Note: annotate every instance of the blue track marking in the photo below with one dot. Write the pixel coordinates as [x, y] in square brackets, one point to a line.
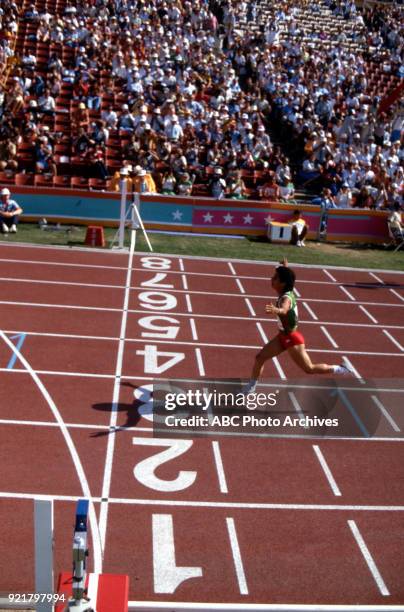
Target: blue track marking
[21, 340]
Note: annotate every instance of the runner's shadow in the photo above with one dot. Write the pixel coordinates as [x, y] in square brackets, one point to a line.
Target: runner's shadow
[132, 413]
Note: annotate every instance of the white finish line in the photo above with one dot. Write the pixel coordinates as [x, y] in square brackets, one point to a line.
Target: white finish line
[153, 606]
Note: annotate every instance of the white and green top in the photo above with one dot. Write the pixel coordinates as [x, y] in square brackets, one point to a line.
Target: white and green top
[288, 323]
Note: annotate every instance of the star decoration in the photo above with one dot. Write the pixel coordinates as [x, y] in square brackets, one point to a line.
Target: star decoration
[228, 218]
[208, 217]
[248, 219]
[177, 215]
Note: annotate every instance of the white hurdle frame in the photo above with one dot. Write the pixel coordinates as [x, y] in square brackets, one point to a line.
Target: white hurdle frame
[43, 522]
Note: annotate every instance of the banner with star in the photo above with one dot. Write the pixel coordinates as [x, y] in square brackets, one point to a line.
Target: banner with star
[199, 215]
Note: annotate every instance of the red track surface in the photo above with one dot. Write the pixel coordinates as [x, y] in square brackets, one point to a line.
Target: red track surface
[272, 501]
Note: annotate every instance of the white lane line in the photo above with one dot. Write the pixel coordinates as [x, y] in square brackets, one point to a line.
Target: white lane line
[58, 373]
[67, 306]
[354, 370]
[151, 606]
[394, 341]
[149, 430]
[203, 316]
[20, 280]
[54, 335]
[234, 294]
[250, 308]
[82, 478]
[188, 301]
[297, 406]
[60, 264]
[330, 275]
[260, 264]
[184, 282]
[385, 413]
[367, 313]
[397, 294]
[326, 469]
[199, 362]
[106, 482]
[309, 310]
[209, 411]
[20, 372]
[232, 270]
[92, 588]
[379, 280]
[238, 562]
[351, 297]
[368, 558]
[297, 292]
[328, 336]
[193, 329]
[210, 504]
[181, 291]
[242, 346]
[53, 424]
[262, 332]
[219, 467]
[279, 368]
[38, 281]
[181, 263]
[240, 286]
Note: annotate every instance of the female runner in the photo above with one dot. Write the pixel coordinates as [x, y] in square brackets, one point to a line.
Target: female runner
[288, 338]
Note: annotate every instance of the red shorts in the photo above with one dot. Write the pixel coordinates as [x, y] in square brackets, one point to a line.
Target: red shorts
[292, 339]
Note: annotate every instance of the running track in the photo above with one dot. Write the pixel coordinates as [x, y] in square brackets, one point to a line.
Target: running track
[229, 519]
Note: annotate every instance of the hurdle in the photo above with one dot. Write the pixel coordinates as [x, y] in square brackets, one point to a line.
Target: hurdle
[80, 591]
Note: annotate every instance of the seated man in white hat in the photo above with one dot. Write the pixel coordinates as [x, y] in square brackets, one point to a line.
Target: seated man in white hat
[10, 212]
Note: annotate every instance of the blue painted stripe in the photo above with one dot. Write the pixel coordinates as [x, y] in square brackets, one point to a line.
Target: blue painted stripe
[353, 412]
[21, 340]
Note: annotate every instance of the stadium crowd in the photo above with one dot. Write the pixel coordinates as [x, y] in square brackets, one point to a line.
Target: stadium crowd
[187, 97]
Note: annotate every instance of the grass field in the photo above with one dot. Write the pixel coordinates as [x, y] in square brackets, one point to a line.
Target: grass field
[355, 256]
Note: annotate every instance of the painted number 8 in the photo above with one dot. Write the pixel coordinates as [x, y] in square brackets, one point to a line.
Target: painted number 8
[156, 263]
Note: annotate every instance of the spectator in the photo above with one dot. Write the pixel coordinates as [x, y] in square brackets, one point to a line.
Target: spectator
[10, 212]
[270, 190]
[217, 184]
[203, 81]
[143, 182]
[343, 199]
[80, 118]
[287, 190]
[8, 155]
[236, 186]
[395, 224]
[44, 162]
[168, 183]
[299, 229]
[185, 184]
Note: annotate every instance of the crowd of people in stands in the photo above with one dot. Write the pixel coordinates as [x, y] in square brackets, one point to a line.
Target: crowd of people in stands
[196, 99]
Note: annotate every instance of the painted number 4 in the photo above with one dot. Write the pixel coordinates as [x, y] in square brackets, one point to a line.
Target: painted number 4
[157, 362]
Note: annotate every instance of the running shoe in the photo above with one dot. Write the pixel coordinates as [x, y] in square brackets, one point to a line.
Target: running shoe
[344, 370]
[250, 387]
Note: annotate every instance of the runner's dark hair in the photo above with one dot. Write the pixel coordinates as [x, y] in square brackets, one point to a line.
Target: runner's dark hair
[287, 277]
